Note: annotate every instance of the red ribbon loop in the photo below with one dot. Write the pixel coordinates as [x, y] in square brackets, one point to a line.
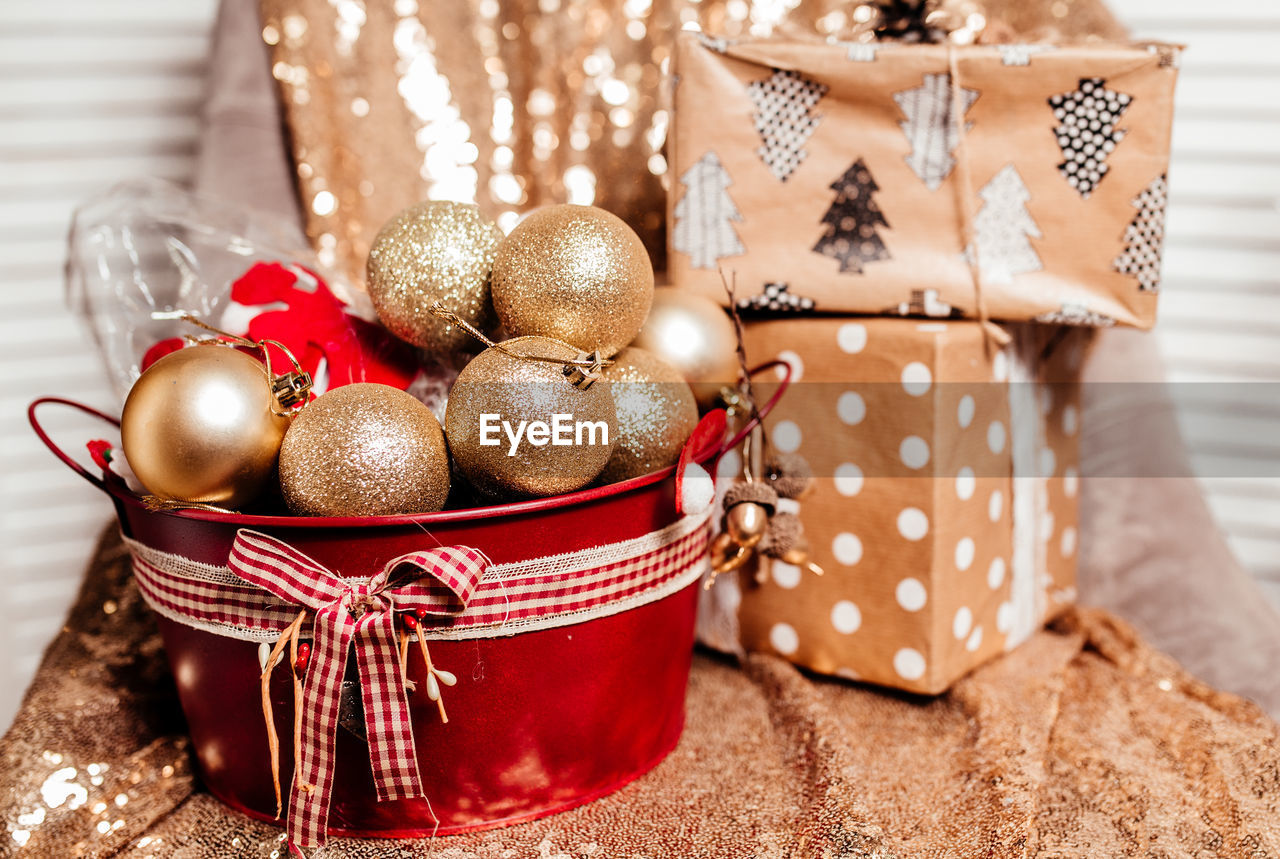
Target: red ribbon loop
[438, 582]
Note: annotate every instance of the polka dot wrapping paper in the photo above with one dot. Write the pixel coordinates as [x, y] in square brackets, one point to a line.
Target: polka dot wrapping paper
[832, 174]
[944, 504]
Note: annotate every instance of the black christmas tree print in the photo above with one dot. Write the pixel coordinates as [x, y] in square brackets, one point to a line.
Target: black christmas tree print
[1086, 131]
[850, 235]
[703, 216]
[783, 101]
[1144, 237]
[776, 298]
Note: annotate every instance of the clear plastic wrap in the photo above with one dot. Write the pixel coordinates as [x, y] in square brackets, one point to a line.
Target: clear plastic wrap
[145, 252]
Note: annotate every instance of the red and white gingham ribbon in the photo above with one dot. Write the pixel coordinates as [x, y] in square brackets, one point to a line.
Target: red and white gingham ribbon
[357, 614]
[258, 593]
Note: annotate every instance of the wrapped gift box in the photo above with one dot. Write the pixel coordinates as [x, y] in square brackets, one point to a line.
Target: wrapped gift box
[835, 177]
[944, 503]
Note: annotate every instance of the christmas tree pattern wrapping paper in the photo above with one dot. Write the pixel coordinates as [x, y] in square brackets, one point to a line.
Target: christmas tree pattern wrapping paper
[943, 510]
[838, 172]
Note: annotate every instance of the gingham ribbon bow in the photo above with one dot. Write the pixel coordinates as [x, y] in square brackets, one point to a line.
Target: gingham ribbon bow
[357, 613]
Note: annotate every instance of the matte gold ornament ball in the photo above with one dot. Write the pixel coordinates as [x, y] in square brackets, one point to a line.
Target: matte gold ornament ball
[199, 426]
[364, 450]
[512, 391]
[656, 414]
[433, 251]
[573, 273]
[694, 335]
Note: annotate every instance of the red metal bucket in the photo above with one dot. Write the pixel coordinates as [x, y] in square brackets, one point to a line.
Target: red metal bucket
[540, 721]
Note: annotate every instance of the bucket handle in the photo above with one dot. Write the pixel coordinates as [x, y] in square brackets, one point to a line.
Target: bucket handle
[53, 446]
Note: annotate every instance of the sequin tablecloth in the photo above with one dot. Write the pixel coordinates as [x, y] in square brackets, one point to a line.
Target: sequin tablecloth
[1084, 742]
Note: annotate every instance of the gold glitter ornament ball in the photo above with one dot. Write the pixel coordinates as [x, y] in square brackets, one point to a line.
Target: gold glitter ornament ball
[199, 426]
[364, 450]
[694, 335]
[573, 273]
[656, 414]
[433, 251]
[502, 392]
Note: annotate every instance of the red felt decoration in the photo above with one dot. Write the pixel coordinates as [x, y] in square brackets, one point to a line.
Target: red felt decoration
[314, 326]
[159, 350]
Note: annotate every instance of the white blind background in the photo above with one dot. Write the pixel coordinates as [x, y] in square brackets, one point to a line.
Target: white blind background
[95, 91]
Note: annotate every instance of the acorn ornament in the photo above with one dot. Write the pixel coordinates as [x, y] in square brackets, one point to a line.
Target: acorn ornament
[577, 274]
[791, 478]
[202, 427]
[762, 517]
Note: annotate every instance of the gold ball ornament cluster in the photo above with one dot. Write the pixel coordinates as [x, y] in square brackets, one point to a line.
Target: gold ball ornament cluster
[433, 251]
[694, 335]
[201, 426]
[364, 450]
[656, 414]
[516, 390]
[573, 273]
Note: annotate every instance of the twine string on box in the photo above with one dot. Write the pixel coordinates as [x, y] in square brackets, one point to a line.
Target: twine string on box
[992, 334]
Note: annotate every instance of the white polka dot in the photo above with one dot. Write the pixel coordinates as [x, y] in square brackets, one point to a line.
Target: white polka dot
[964, 412]
[1048, 462]
[848, 479]
[914, 452]
[1046, 525]
[1068, 541]
[932, 327]
[851, 408]
[730, 465]
[845, 617]
[1046, 399]
[852, 337]
[793, 360]
[1004, 617]
[995, 573]
[975, 640]
[994, 505]
[909, 664]
[848, 673]
[785, 575]
[912, 523]
[995, 437]
[965, 483]
[1070, 419]
[1070, 481]
[847, 548]
[1000, 367]
[916, 379]
[786, 436]
[911, 594]
[964, 553]
[784, 639]
[962, 622]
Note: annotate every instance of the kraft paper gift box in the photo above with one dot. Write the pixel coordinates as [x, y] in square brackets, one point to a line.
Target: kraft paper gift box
[835, 177]
[943, 510]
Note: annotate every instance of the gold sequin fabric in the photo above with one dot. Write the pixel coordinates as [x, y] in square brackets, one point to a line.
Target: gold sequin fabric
[1082, 743]
[515, 104]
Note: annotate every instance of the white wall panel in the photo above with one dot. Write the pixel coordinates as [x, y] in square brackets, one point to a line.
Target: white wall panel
[91, 92]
